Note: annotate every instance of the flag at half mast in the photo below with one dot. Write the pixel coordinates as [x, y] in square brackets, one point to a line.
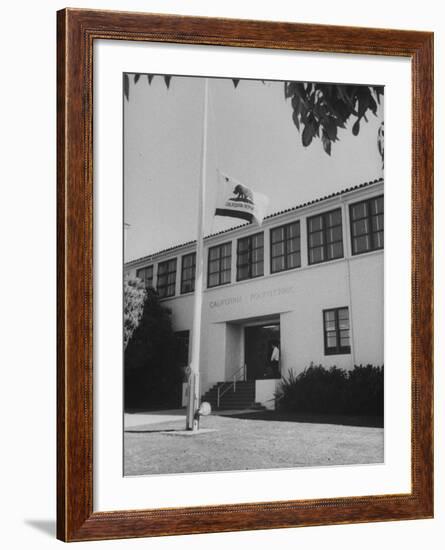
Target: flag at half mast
[236, 200]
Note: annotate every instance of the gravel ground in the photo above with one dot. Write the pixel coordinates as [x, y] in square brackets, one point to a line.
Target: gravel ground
[247, 444]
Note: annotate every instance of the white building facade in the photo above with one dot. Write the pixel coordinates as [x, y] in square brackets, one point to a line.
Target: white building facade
[309, 280]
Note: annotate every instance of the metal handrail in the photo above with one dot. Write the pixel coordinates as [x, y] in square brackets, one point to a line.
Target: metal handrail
[224, 388]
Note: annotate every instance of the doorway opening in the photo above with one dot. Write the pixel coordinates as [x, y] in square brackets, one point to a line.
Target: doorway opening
[262, 351]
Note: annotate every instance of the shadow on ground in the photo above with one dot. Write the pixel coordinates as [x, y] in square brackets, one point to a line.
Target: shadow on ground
[338, 419]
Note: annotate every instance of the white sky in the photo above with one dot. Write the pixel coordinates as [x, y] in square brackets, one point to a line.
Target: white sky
[251, 137]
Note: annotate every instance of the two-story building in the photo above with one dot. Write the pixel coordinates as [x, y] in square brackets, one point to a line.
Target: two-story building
[308, 281]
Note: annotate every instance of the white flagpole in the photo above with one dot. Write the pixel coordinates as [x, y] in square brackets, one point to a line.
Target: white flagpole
[194, 385]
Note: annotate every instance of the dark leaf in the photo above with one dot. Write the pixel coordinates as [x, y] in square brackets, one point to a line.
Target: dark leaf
[356, 127]
[150, 78]
[343, 110]
[379, 90]
[295, 103]
[136, 78]
[235, 81]
[308, 135]
[167, 79]
[363, 101]
[372, 105]
[326, 143]
[330, 127]
[126, 87]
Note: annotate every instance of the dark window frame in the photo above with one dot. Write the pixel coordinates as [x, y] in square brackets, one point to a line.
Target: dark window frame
[190, 279]
[286, 240]
[219, 260]
[250, 251]
[371, 233]
[167, 285]
[144, 278]
[338, 349]
[324, 229]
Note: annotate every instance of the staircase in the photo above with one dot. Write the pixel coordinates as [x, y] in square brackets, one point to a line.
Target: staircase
[240, 397]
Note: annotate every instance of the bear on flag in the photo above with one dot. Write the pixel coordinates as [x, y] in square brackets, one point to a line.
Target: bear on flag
[236, 200]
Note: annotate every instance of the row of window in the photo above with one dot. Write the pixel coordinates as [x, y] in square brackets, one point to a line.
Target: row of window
[325, 243]
[336, 331]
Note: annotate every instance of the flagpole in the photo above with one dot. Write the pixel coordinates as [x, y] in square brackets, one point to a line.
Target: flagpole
[192, 422]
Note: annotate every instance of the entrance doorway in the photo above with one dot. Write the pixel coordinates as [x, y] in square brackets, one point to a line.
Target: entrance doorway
[260, 358]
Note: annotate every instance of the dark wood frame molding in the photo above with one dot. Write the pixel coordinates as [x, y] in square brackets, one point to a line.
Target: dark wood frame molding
[77, 30]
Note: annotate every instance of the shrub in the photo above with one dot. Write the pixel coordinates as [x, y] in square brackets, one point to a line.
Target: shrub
[333, 391]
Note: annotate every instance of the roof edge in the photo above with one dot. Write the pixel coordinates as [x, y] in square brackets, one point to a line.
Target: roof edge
[270, 216]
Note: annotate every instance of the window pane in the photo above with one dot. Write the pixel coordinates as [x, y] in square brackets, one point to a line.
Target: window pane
[257, 255]
[331, 340]
[278, 264]
[360, 228]
[343, 313]
[329, 315]
[277, 234]
[335, 251]
[372, 222]
[343, 324]
[377, 205]
[257, 270]
[334, 218]
[293, 260]
[214, 266]
[344, 341]
[377, 222]
[293, 245]
[361, 244]
[243, 245]
[358, 210]
[316, 239]
[334, 234]
[213, 279]
[378, 239]
[316, 255]
[278, 249]
[243, 272]
[315, 224]
[214, 253]
[294, 230]
[257, 241]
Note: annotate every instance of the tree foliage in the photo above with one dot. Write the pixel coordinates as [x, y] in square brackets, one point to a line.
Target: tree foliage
[318, 110]
[152, 374]
[134, 296]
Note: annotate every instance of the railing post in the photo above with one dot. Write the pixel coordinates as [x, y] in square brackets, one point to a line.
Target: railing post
[217, 397]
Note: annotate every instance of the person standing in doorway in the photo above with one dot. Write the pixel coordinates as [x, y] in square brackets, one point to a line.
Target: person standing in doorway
[275, 359]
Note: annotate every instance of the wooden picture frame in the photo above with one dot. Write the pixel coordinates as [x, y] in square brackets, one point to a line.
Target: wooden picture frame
[77, 31]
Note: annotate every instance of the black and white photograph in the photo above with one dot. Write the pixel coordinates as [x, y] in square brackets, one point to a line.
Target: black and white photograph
[253, 276]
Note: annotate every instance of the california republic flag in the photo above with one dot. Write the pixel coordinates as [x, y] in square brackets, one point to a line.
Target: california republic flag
[239, 201]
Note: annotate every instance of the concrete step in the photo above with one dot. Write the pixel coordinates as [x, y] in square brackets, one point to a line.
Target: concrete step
[242, 398]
